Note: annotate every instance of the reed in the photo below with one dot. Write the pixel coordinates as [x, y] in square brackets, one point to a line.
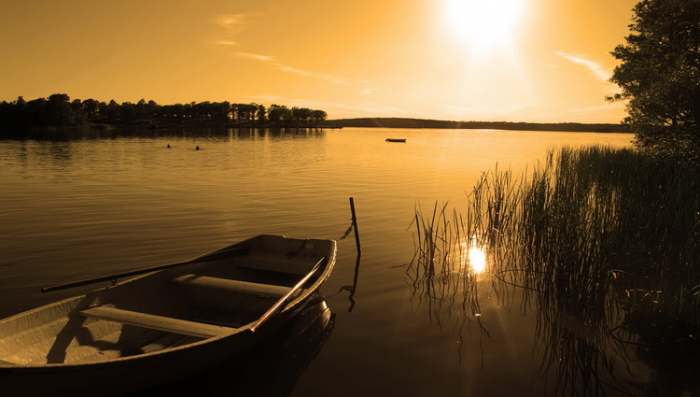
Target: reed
[607, 239]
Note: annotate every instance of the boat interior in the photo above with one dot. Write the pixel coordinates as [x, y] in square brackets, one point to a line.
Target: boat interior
[219, 294]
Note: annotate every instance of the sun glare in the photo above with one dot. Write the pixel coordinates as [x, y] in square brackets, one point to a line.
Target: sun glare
[484, 24]
[472, 257]
[477, 259]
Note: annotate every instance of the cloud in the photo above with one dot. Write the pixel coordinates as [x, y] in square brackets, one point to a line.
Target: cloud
[255, 57]
[293, 70]
[236, 23]
[368, 91]
[233, 22]
[269, 59]
[232, 25]
[342, 108]
[312, 74]
[229, 43]
[599, 71]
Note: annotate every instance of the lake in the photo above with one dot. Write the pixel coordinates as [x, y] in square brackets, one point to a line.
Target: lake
[84, 207]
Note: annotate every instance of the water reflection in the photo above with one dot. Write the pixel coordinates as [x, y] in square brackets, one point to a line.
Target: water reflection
[447, 273]
[218, 134]
[476, 257]
[578, 357]
[352, 289]
[129, 201]
[600, 274]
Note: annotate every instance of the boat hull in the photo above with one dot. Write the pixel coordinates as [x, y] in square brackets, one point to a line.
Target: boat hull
[121, 377]
[60, 336]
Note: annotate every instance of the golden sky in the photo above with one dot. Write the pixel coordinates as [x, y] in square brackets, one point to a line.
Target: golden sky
[529, 60]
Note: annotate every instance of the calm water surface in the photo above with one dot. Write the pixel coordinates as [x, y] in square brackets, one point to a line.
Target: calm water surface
[78, 208]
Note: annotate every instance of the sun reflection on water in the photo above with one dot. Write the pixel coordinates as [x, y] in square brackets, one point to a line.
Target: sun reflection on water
[473, 257]
[477, 258]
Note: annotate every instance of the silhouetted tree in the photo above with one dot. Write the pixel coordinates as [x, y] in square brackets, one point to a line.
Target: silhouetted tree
[152, 109]
[260, 115]
[659, 74]
[224, 111]
[113, 111]
[318, 116]
[90, 109]
[278, 114]
[128, 112]
[59, 111]
[301, 115]
[245, 113]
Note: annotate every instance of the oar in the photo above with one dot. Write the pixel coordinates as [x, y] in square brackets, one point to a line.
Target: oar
[204, 258]
[278, 305]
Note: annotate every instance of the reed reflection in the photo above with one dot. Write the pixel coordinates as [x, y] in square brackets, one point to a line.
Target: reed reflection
[447, 270]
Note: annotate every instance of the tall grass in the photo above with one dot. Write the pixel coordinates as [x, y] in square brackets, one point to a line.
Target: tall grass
[608, 239]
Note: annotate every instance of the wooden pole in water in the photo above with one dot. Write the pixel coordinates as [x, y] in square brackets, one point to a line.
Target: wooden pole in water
[354, 226]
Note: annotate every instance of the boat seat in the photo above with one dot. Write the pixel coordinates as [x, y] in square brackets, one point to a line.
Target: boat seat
[245, 287]
[160, 323]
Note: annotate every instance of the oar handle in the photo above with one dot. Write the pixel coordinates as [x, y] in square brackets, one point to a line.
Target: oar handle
[278, 305]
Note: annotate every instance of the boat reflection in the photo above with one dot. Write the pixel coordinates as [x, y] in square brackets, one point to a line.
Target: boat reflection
[271, 369]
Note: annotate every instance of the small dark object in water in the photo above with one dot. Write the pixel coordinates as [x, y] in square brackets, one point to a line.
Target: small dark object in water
[196, 148]
[396, 140]
[168, 146]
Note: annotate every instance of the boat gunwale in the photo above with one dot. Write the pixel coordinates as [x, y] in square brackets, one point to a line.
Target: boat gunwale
[11, 368]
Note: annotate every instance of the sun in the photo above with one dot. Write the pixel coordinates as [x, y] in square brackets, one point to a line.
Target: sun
[484, 24]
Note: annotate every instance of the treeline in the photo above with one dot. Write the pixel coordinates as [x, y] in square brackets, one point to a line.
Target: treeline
[496, 125]
[58, 110]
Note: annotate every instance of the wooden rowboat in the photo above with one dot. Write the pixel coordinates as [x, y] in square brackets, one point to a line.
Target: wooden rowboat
[272, 368]
[396, 140]
[163, 325]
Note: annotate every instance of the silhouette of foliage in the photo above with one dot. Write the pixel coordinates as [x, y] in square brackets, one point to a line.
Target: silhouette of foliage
[59, 111]
[393, 122]
[659, 74]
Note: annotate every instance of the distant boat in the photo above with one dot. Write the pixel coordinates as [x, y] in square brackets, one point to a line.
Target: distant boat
[396, 140]
[165, 324]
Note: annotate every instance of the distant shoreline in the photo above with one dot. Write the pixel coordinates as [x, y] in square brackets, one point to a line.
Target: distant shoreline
[392, 122]
[59, 113]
